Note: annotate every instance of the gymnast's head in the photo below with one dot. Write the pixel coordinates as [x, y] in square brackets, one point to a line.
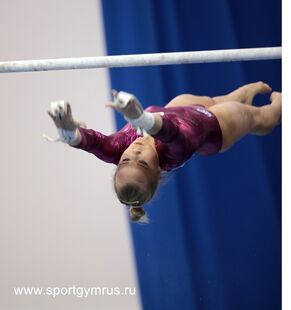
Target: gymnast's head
[137, 177]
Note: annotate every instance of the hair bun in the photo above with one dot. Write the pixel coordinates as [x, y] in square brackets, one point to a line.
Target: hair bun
[138, 214]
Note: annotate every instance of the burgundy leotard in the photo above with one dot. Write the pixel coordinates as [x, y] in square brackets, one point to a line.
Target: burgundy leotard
[185, 131]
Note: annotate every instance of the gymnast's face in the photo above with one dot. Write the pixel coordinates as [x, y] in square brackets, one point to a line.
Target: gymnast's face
[138, 163]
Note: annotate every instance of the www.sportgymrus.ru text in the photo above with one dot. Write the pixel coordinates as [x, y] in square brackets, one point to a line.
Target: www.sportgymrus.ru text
[77, 291]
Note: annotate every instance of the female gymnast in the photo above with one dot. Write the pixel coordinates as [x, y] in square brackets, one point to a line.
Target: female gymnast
[164, 138]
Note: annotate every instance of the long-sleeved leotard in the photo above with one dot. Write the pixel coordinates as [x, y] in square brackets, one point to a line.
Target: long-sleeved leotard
[185, 131]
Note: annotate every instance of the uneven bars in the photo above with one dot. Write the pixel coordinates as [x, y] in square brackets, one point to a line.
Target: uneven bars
[246, 54]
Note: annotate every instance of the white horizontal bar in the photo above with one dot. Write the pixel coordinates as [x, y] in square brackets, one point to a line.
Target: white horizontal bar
[264, 53]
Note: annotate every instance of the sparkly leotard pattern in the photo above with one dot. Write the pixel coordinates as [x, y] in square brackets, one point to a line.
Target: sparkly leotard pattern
[185, 131]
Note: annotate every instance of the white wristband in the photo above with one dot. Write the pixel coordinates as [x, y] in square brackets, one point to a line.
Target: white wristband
[67, 136]
[145, 121]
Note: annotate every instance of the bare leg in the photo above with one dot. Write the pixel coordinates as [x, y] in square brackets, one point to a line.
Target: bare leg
[237, 120]
[268, 116]
[187, 99]
[244, 94]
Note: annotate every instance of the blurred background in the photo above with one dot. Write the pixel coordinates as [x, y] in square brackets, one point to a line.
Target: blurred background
[60, 223]
[214, 238]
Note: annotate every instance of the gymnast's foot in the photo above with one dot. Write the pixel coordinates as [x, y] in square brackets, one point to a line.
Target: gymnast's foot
[246, 93]
[276, 102]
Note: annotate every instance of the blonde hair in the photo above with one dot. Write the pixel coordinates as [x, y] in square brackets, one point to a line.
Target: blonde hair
[134, 196]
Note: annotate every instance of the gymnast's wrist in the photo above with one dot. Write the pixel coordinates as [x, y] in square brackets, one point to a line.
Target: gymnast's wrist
[77, 140]
[158, 124]
[72, 137]
[145, 121]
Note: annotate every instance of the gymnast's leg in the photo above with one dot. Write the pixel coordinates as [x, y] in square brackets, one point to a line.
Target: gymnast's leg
[187, 99]
[237, 120]
[244, 94]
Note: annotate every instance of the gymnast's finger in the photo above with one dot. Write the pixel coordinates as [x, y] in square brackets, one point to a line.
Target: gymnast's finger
[55, 120]
[51, 115]
[111, 105]
[68, 110]
[61, 111]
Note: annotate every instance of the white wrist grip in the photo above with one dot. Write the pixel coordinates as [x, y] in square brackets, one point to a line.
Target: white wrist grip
[67, 136]
[145, 121]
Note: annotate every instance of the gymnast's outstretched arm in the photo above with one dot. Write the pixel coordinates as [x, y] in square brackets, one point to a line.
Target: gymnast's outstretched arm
[89, 140]
[128, 105]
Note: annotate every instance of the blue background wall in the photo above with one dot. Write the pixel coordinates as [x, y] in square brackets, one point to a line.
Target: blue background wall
[214, 241]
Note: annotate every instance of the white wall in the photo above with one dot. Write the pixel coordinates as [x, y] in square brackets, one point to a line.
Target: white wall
[60, 222]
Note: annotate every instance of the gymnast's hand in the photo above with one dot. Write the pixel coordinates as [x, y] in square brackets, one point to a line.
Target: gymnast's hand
[61, 114]
[126, 104]
[144, 122]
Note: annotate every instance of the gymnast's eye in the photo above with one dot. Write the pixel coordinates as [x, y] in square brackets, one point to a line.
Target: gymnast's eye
[144, 163]
[126, 159]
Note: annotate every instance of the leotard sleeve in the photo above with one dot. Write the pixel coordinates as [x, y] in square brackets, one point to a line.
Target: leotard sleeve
[107, 148]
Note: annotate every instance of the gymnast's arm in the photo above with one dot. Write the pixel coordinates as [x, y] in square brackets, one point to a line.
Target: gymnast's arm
[158, 124]
[166, 129]
[163, 128]
[74, 134]
[156, 128]
[108, 148]
[128, 105]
